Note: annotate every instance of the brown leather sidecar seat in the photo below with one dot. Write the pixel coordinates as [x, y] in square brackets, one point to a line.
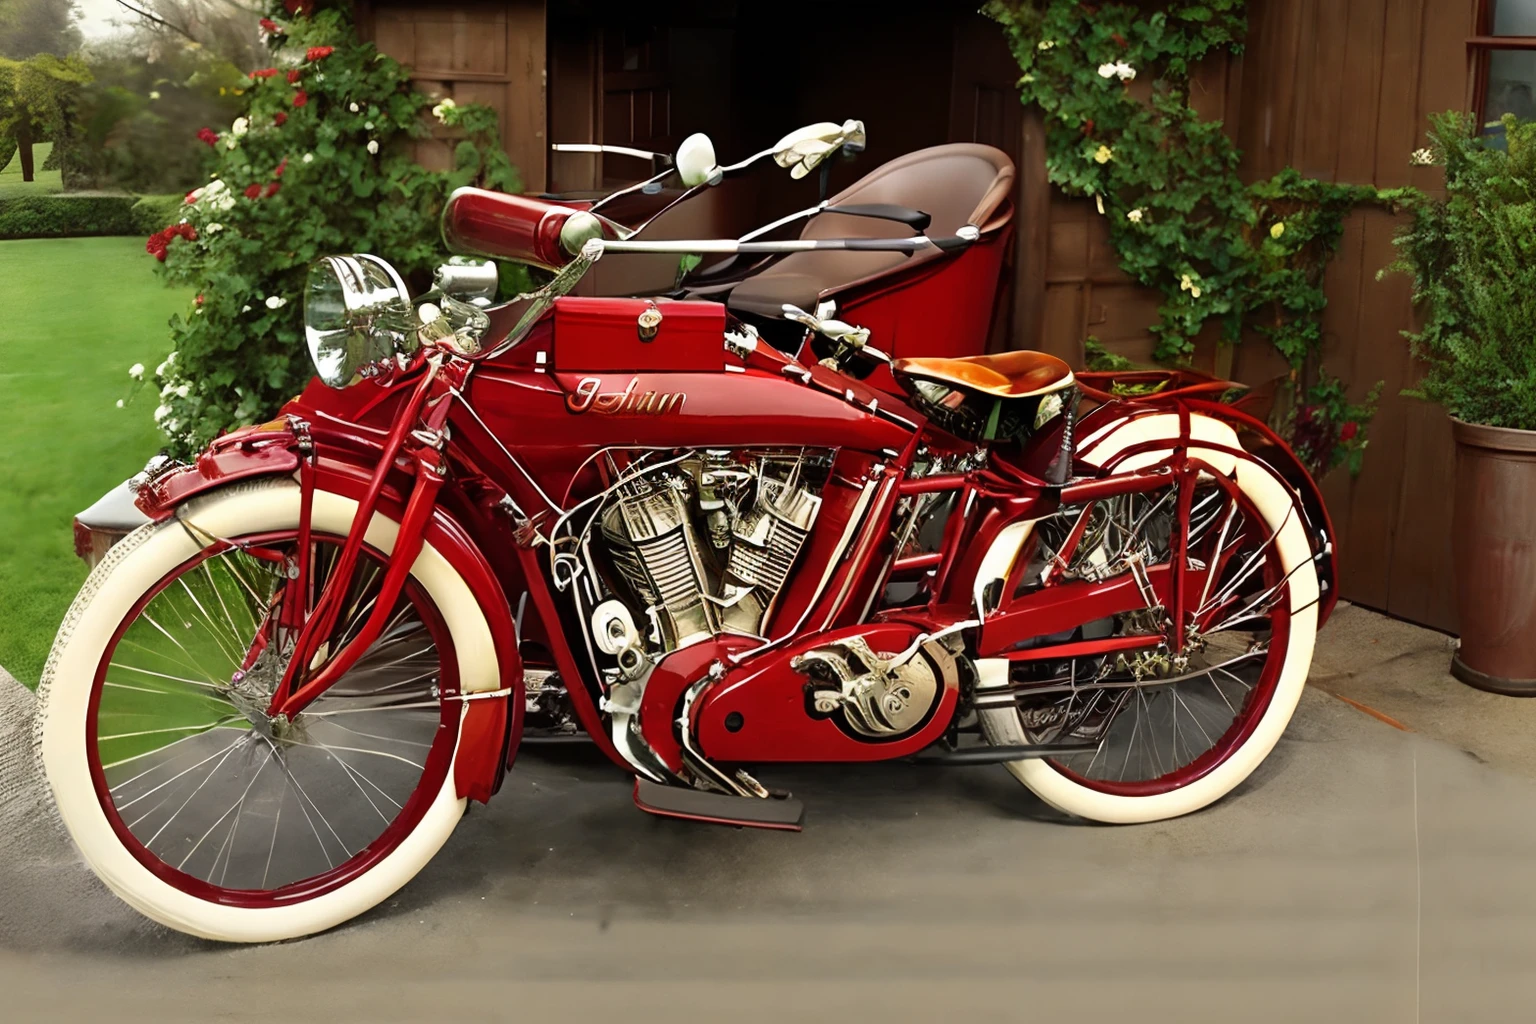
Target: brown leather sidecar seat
[932, 303]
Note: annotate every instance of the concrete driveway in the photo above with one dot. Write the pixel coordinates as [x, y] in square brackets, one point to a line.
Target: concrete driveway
[1365, 873]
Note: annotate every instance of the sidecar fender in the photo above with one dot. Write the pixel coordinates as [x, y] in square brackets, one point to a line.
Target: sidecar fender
[1161, 425]
[491, 725]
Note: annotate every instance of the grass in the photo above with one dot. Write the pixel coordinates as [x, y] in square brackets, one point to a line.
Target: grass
[46, 183]
[82, 311]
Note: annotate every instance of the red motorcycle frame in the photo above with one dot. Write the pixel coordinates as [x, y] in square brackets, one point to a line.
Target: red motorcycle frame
[444, 451]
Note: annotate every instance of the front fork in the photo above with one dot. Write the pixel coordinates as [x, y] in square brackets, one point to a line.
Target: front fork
[418, 435]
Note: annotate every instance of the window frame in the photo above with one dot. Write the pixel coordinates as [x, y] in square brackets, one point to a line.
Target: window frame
[1479, 48]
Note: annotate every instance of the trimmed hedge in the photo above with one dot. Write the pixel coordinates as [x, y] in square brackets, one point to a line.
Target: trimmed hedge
[65, 216]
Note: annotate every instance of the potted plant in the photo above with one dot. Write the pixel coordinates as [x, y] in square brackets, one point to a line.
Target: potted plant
[1472, 255]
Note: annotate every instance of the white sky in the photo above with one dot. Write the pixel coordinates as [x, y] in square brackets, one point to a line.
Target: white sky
[97, 17]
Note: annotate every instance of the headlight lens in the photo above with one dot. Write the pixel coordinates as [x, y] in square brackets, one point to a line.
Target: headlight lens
[357, 317]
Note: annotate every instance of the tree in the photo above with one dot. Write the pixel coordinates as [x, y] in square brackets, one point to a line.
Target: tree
[31, 27]
[34, 100]
[225, 28]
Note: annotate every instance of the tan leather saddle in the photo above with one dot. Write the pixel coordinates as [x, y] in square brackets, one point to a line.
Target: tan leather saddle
[1022, 374]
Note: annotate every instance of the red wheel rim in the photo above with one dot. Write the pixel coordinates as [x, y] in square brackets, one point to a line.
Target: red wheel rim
[441, 724]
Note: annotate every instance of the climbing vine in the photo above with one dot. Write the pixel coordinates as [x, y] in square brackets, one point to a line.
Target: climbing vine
[1113, 83]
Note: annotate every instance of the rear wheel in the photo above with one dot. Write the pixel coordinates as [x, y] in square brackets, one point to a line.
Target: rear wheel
[183, 795]
[1165, 732]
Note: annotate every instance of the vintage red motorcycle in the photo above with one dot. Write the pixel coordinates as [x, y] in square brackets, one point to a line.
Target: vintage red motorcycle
[634, 517]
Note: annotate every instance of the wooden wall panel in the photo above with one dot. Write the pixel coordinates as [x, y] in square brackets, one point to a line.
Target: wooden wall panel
[473, 52]
[1342, 91]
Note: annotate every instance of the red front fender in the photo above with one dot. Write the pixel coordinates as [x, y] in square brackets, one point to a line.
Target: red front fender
[491, 727]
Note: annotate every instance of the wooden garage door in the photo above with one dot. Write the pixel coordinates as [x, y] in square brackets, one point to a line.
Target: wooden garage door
[490, 53]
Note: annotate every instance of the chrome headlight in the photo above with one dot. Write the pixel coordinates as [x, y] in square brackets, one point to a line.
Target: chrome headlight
[357, 318]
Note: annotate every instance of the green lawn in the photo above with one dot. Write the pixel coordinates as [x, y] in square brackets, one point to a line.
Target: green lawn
[44, 183]
[80, 312]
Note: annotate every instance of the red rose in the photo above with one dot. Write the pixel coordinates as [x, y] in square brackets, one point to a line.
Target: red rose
[279, 117]
[1348, 431]
[278, 173]
[183, 230]
[270, 27]
[293, 76]
[263, 73]
[319, 52]
[198, 300]
[271, 190]
[253, 191]
[208, 135]
[300, 98]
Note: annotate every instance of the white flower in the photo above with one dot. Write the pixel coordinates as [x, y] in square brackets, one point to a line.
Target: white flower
[161, 412]
[1099, 202]
[136, 371]
[154, 95]
[231, 142]
[170, 360]
[1135, 215]
[1421, 158]
[212, 228]
[240, 127]
[309, 158]
[172, 426]
[224, 202]
[1106, 71]
[119, 403]
[1045, 44]
[373, 145]
[1187, 284]
[276, 302]
[367, 126]
[195, 195]
[182, 390]
[1124, 71]
[213, 188]
[441, 109]
[245, 308]
[160, 370]
[353, 107]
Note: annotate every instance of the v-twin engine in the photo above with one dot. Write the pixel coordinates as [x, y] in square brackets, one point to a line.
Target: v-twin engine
[705, 544]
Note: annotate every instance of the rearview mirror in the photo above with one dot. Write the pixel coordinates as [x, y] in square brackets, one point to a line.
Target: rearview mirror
[695, 160]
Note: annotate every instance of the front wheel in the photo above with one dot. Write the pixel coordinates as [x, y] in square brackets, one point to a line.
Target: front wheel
[1163, 732]
[182, 795]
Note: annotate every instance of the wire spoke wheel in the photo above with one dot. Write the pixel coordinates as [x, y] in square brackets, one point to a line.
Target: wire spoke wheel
[229, 804]
[1166, 727]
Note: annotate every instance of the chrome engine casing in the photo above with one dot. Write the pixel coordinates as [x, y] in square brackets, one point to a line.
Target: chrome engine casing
[704, 545]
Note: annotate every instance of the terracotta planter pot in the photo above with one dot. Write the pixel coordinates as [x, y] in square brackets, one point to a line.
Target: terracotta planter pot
[1493, 540]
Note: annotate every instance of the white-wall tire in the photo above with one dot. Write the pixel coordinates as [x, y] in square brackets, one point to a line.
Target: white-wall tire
[1276, 503]
[128, 571]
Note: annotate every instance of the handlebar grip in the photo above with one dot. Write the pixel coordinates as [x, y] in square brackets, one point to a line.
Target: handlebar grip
[523, 228]
[917, 220]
